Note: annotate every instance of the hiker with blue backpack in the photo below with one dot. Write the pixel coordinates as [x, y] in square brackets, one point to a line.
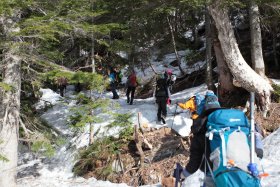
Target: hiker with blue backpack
[198, 145]
[112, 79]
[221, 137]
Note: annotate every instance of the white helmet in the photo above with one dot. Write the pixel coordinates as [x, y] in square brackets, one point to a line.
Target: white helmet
[173, 77]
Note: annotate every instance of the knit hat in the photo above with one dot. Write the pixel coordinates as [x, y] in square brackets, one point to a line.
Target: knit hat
[169, 72]
[211, 101]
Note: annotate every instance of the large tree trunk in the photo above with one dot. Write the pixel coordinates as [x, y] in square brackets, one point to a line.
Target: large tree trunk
[225, 85]
[9, 121]
[240, 70]
[256, 39]
[209, 76]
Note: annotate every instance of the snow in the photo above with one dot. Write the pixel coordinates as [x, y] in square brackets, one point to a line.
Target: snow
[57, 171]
[48, 97]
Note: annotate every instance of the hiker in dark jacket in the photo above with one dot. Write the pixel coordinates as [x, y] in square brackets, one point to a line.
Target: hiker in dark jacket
[198, 141]
[197, 147]
[131, 85]
[162, 95]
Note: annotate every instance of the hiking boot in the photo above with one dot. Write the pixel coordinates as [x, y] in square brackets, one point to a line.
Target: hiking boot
[163, 118]
[158, 120]
[116, 97]
[128, 100]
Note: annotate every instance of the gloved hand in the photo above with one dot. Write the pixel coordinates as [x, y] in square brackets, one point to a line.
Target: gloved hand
[184, 174]
[180, 173]
[168, 101]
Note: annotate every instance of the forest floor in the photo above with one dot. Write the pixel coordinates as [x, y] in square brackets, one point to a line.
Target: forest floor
[168, 149]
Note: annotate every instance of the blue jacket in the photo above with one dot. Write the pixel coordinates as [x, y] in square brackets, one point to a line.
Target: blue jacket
[112, 77]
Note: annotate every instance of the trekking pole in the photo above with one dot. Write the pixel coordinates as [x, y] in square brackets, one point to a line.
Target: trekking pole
[252, 98]
[174, 115]
[252, 167]
[176, 175]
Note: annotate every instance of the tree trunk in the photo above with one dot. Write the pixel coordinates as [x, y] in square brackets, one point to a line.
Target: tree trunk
[91, 125]
[194, 30]
[225, 85]
[209, 76]
[274, 45]
[92, 55]
[91, 133]
[256, 39]
[240, 70]
[9, 121]
[174, 46]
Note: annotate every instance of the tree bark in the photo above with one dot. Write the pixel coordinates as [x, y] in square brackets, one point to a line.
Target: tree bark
[274, 45]
[175, 48]
[9, 121]
[240, 70]
[256, 39]
[225, 85]
[209, 76]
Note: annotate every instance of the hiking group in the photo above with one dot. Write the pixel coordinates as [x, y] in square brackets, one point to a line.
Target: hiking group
[115, 78]
[220, 142]
[220, 146]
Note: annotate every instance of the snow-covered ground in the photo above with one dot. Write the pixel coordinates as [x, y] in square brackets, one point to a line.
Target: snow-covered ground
[57, 171]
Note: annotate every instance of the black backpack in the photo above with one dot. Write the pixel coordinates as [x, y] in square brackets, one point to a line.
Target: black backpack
[161, 88]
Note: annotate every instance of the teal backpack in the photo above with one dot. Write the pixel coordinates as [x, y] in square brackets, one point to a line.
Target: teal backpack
[228, 131]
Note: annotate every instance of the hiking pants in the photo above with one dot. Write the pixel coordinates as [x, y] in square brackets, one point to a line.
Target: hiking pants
[162, 107]
[113, 88]
[62, 88]
[130, 89]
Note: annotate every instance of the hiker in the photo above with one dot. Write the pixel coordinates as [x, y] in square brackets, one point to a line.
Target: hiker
[162, 95]
[62, 83]
[131, 85]
[197, 146]
[112, 79]
[198, 141]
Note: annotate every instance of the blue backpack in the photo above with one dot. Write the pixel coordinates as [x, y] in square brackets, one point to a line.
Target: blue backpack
[228, 131]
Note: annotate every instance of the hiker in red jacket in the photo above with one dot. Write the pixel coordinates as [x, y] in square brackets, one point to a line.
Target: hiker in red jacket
[131, 85]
